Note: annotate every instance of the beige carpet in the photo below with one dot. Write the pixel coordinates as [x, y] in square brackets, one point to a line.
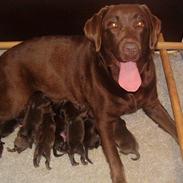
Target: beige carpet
[160, 160]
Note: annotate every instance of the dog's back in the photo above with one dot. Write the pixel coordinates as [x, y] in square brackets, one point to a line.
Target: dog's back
[42, 64]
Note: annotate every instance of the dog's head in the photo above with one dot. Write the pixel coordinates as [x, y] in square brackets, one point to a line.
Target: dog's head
[124, 34]
[39, 100]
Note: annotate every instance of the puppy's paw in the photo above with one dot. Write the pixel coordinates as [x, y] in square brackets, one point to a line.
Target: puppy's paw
[83, 160]
[11, 149]
[137, 156]
[74, 163]
[47, 163]
[89, 160]
[36, 160]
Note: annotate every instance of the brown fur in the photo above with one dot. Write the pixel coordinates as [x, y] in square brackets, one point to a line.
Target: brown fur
[84, 70]
[59, 143]
[128, 144]
[91, 138]
[74, 131]
[44, 139]
[36, 106]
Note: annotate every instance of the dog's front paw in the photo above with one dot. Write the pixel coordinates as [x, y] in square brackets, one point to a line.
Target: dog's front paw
[119, 180]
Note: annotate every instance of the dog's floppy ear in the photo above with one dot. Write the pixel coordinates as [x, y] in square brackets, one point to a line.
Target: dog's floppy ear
[92, 28]
[155, 27]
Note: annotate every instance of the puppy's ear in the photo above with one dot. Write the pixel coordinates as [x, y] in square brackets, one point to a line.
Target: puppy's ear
[155, 27]
[92, 28]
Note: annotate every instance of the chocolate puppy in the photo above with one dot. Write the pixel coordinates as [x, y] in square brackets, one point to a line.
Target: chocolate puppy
[32, 119]
[21, 143]
[91, 138]
[45, 138]
[60, 137]
[74, 131]
[75, 137]
[59, 146]
[8, 127]
[127, 145]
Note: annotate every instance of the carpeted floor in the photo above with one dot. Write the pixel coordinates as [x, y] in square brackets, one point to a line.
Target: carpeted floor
[160, 160]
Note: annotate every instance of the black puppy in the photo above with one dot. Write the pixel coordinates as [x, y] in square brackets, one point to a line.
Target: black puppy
[7, 128]
[45, 138]
[32, 119]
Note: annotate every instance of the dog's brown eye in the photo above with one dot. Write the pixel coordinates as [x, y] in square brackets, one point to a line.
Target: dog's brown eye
[113, 25]
[140, 24]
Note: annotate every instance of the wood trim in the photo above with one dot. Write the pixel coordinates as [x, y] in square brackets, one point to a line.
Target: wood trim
[172, 89]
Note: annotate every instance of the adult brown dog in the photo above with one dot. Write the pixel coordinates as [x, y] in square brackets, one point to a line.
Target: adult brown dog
[110, 69]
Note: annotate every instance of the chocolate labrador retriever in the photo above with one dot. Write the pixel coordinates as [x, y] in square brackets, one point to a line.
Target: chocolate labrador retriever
[110, 69]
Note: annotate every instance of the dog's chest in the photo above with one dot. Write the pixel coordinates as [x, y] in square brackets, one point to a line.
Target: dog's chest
[134, 103]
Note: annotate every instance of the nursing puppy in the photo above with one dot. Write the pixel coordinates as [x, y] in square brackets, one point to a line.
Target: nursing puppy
[45, 138]
[74, 131]
[8, 128]
[32, 119]
[5, 130]
[59, 146]
[91, 138]
[21, 143]
[60, 138]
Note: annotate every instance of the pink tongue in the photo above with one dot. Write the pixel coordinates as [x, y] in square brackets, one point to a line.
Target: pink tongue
[129, 77]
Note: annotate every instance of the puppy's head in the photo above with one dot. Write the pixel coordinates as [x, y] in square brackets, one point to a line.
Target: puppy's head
[39, 100]
[21, 143]
[92, 138]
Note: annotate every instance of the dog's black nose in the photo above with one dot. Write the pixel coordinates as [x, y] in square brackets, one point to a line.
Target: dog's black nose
[130, 49]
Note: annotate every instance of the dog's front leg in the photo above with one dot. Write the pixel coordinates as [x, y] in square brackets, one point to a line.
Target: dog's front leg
[159, 114]
[105, 129]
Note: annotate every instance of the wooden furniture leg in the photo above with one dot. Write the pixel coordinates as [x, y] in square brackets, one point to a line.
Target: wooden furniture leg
[174, 98]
